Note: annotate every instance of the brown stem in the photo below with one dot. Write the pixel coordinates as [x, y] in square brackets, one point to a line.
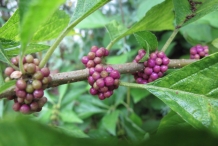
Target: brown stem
[79, 75]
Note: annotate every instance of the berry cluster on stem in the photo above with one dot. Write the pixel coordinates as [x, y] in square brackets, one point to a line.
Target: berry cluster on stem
[30, 86]
[103, 80]
[154, 67]
[198, 52]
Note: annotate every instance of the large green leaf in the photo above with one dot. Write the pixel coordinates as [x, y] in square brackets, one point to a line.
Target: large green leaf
[192, 92]
[85, 8]
[172, 121]
[52, 27]
[1, 75]
[154, 21]
[95, 20]
[21, 131]
[151, 21]
[6, 86]
[115, 29]
[109, 121]
[145, 6]
[10, 30]
[183, 9]
[3, 56]
[33, 13]
[31, 48]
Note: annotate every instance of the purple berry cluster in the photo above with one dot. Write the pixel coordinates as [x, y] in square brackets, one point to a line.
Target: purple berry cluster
[198, 52]
[103, 80]
[30, 86]
[154, 67]
[94, 57]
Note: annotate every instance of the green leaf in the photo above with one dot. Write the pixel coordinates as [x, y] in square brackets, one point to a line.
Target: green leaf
[62, 91]
[192, 92]
[85, 8]
[109, 121]
[136, 119]
[203, 31]
[10, 30]
[133, 131]
[31, 48]
[3, 56]
[44, 135]
[95, 20]
[33, 13]
[151, 21]
[138, 94]
[86, 109]
[183, 9]
[52, 27]
[72, 131]
[8, 43]
[147, 41]
[70, 117]
[172, 121]
[1, 74]
[115, 29]
[6, 86]
[215, 43]
[154, 21]
[145, 6]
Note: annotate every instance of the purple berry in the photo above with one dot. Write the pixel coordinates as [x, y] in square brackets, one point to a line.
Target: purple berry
[101, 96]
[108, 94]
[166, 61]
[99, 68]
[100, 83]
[45, 71]
[93, 91]
[115, 74]
[21, 93]
[8, 71]
[85, 59]
[151, 63]
[94, 49]
[163, 68]
[156, 68]
[158, 61]
[91, 55]
[91, 70]
[25, 109]
[153, 55]
[109, 69]
[90, 64]
[97, 60]
[109, 81]
[21, 84]
[148, 70]
[38, 93]
[99, 53]
[16, 106]
[96, 75]
[154, 76]
[91, 80]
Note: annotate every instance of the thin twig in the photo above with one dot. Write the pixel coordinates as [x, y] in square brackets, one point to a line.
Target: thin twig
[79, 75]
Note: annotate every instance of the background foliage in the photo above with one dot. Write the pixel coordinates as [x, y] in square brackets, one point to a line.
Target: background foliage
[179, 101]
